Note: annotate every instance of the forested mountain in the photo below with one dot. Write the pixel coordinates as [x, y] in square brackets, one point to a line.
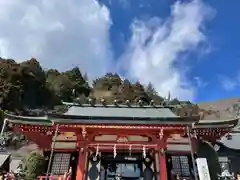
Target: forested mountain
[27, 85]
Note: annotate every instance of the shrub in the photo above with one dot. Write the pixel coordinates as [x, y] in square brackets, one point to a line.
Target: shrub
[33, 165]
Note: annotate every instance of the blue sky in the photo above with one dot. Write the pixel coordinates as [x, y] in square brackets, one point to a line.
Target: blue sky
[221, 61]
[187, 47]
[224, 59]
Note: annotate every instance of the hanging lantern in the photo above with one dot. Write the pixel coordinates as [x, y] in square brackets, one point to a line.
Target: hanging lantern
[84, 132]
[130, 150]
[161, 133]
[114, 151]
[97, 151]
[162, 151]
[144, 152]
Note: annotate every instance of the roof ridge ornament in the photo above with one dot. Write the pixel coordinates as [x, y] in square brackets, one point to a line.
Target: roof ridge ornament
[127, 102]
[144, 151]
[97, 151]
[166, 101]
[115, 102]
[140, 103]
[103, 102]
[91, 102]
[114, 151]
[130, 150]
[152, 103]
[161, 134]
[84, 132]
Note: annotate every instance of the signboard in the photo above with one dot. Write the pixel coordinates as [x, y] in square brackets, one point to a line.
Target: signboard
[203, 170]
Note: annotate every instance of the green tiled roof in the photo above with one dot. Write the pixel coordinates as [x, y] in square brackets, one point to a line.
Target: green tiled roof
[123, 112]
[28, 120]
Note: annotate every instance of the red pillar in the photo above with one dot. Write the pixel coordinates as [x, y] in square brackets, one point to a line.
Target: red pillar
[195, 144]
[162, 158]
[162, 166]
[81, 164]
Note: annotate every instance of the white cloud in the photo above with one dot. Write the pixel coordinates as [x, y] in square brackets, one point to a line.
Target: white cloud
[230, 84]
[124, 3]
[62, 34]
[59, 33]
[200, 83]
[154, 50]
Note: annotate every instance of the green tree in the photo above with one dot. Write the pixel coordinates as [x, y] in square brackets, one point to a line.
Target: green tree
[80, 85]
[60, 85]
[126, 91]
[174, 101]
[153, 94]
[33, 165]
[140, 93]
[151, 90]
[22, 84]
[33, 84]
[27, 85]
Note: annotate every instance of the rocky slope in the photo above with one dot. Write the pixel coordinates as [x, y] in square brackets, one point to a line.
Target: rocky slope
[220, 109]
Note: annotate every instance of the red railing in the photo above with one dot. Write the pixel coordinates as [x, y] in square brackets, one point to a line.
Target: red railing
[66, 176]
[55, 177]
[52, 178]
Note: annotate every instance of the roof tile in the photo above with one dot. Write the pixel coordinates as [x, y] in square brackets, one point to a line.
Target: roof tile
[120, 112]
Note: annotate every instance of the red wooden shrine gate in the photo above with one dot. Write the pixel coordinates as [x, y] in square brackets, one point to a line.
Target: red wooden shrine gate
[92, 133]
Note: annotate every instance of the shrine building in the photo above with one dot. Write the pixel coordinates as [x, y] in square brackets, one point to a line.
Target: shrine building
[102, 142]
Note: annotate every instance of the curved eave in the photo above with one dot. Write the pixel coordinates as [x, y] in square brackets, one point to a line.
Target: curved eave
[70, 104]
[28, 119]
[230, 123]
[235, 148]
[63, 118]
